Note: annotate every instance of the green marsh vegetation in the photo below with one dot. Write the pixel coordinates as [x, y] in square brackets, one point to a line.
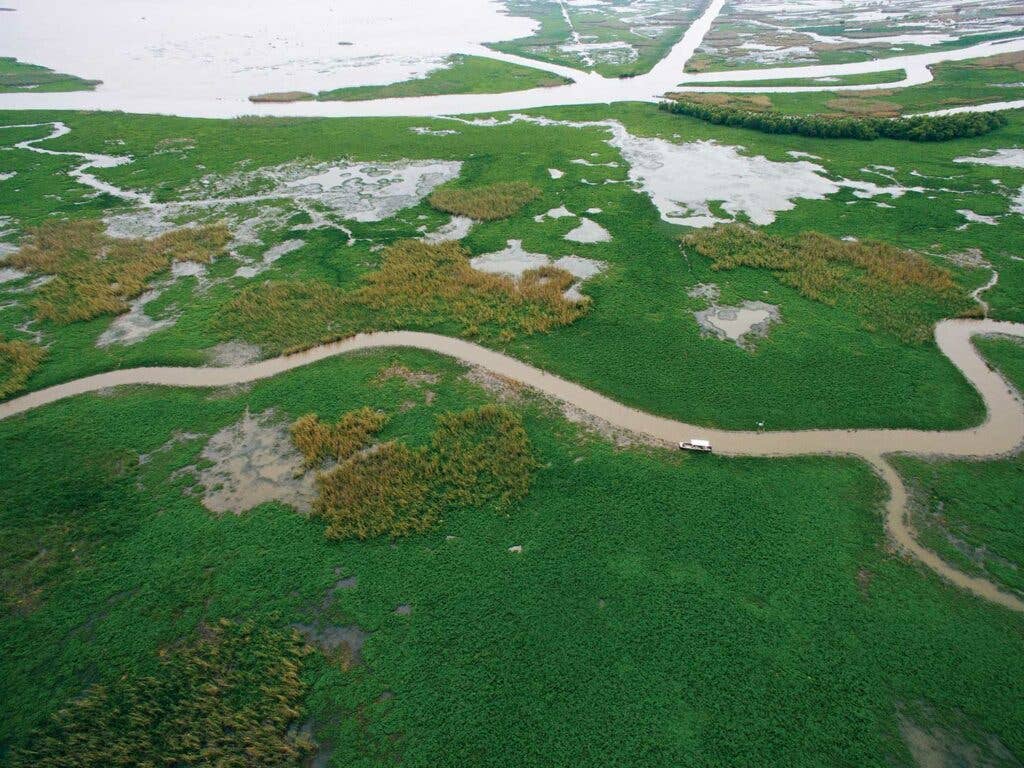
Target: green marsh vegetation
[708, 636]
[226, 698]
[461, 74]
[17, 76]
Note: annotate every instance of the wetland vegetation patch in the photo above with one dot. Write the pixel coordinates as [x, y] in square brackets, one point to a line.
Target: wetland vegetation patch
[892, 290]
[485, 203]
[94, 274]
[227, 698]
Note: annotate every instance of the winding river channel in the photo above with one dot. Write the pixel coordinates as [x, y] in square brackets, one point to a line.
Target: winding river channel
[1001, 433]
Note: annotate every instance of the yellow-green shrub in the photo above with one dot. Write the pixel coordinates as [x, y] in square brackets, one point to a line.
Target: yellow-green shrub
[18, 360]
[95, 274]
[494, 201]
[227, 699]
[892, 289]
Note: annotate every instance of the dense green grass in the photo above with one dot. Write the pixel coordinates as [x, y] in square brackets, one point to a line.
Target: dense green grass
[665, 609]
[638, 341]
[864, 78]
[971, 511]
[462, 74]
[17, 77]
[955, 84]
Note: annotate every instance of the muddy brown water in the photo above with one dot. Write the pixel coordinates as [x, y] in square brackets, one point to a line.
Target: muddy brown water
[1002, 431]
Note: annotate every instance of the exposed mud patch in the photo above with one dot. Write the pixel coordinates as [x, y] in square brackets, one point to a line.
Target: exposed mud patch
[254, 462]
[934, 747]
[506, 390]
[346, 641]
[233, 353]
[588, 231]
[741, 324]
[410, 377]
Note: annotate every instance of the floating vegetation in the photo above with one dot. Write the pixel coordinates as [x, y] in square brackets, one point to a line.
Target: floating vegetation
[18, 360]
[418, 285]
[94, 274]
[227, 699]
[494, 201]
[894, 290]
[476, 457]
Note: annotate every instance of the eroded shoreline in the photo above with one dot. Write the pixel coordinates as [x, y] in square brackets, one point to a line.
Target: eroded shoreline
[1001, 433]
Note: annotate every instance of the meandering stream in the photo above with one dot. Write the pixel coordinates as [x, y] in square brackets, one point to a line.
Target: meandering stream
[1001, 433]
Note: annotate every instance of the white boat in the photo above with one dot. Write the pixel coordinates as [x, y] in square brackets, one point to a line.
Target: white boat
[696, 445]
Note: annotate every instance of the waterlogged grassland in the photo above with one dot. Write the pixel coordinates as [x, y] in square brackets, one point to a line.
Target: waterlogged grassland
[864, 78]
[17, 77]
[638, 340]
[971, 512]
[629, 566]
[955, 84]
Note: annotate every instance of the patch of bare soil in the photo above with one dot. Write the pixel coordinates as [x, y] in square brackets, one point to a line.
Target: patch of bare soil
[230, 353]
[749, 102]
[934, 747]
[254, 462]
[1014, 59]
[506, 390]
[621, 438]
[864, 107]
[410, 377]
[345, 642]
[972, 258]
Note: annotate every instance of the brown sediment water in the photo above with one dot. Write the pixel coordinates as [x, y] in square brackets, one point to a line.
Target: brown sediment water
[1002, 431]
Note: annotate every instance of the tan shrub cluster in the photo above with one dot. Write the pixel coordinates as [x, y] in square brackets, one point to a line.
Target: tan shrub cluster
[418, 285]
[95, 274]
[476, 457]
[494, 201]
[18, 360]
[893, 289]
[318, 442]
[228, 699]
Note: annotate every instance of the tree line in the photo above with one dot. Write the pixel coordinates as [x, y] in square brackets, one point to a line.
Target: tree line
[918, 128]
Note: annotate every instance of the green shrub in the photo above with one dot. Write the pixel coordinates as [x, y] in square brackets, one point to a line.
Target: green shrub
[918, 128]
